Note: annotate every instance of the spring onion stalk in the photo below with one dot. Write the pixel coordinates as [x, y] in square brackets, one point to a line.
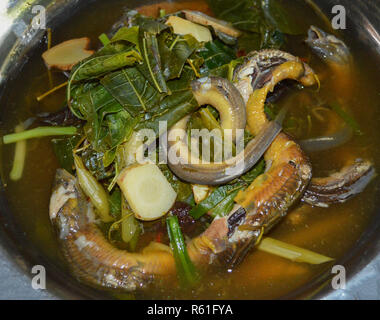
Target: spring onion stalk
[38, 133]
[188, 275]
[19, 158]
[104, 39]
[291, 252]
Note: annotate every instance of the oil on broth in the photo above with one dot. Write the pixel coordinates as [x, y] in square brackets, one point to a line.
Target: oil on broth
[330, 231]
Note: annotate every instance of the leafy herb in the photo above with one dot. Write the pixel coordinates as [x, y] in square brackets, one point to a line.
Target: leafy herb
[174, 53]
[249, 16]
[100, 65]
[63, 149]
[216, 54]
[93, 161]
[152, 62]
[220, 201]
[115, 203]
[244, 15]
[173, 108]
[277, 13]
[130, 35]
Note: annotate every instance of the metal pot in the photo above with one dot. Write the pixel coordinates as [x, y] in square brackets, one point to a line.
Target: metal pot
[17, 36]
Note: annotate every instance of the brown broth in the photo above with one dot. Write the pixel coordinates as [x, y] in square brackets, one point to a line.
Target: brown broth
[332, 231]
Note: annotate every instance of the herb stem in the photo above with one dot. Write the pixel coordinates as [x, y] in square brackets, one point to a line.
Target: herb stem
[104, 39]
[19, 157]
[52, 91]
[39, 132]
[174, 43]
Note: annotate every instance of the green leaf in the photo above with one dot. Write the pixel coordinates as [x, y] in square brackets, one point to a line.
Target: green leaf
[244, 14]
[130, 35]
[248, 15]
[120, 126]
[224, 207]
[175, 53]
[216, 54]
[132, 90]
[151, 67]
[226, 70]
[63, 149]
[174, 107]
[115, 203]
[220, 201]
[98, 66]
[251, 175]
[90, 98]
[150, 25]
[278, 14]
[93, 161]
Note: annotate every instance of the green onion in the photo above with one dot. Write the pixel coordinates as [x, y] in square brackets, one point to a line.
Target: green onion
[186, 270]
[346, 117]
[291, 252]
[104, 39]
[19, 158]
[39, 132]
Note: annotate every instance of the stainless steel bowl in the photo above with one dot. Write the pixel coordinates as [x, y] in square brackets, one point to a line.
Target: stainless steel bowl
[17, 37]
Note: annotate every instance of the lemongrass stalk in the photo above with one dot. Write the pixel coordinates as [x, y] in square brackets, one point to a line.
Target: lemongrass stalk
[39, 132]
[291, 252]
[19, 157]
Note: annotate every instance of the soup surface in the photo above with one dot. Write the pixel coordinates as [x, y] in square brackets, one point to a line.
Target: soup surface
[330, 231]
